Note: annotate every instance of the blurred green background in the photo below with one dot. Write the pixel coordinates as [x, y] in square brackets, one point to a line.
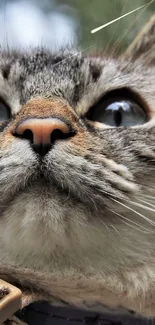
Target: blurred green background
[55, 23]
[93, 13]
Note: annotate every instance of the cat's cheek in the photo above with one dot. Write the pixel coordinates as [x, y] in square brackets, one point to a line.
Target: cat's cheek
[6, 141]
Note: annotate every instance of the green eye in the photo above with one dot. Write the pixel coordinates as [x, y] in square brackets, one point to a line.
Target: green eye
[4, 112]
[118, 111]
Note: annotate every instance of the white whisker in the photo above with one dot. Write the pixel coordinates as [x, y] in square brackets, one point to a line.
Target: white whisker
[134, 211]
[148, 203]
[107, 45]
[118, 18]
[142, 206]
[128, 221]
[118, 42]
[112, 226]
[104, 224]
[75, 54]
[147, 196]
[83, 224]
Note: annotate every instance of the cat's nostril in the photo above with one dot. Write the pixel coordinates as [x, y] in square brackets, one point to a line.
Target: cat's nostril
[43, 132]
[27, 134]
[57, 134]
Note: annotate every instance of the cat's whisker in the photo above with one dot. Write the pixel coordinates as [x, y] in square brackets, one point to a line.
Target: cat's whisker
[68, 196]
[112, 226]
[149, 200]
[148, 187]
[104, 224]
[147, 196]
[129, 225]
[134, 211]
[142, 206]
[94, 203]
[90, 226]
[148, 203]
[128, 221]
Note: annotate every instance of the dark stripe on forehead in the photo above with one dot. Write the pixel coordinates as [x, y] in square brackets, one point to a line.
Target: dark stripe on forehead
[6, 71]
[95, 71]
[37, 61]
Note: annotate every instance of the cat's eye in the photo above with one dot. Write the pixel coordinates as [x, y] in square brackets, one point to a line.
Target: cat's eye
[118, 111]
[4, 112]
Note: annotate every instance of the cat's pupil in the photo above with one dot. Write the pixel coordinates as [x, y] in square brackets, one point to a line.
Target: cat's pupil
[123, 113]
[118, 112]
[117, 117]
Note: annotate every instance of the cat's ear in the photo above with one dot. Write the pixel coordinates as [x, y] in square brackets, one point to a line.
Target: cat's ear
[144, 44]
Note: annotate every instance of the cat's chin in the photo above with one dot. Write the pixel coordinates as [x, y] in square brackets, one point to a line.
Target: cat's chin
[38, 185]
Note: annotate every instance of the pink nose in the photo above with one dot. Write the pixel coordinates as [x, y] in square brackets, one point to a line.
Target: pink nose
[42, 132]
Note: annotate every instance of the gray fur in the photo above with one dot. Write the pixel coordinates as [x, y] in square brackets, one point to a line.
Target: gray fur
[70, 220]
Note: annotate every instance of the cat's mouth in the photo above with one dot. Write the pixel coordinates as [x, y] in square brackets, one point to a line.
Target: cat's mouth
[41, 175]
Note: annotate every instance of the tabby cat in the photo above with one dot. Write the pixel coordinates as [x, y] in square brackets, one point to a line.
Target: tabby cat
[77, 177]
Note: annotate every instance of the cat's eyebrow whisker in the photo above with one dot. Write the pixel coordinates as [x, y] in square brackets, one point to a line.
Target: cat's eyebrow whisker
[75, 54]
[134, 211]
[118, 18]
[120, 39]
[107, 45]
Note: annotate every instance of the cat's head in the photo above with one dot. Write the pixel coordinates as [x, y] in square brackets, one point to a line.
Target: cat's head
[77, 160]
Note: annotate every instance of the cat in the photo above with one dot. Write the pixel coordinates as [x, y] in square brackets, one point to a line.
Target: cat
[77, 161]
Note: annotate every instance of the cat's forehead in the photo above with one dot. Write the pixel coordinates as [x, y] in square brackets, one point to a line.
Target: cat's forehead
[46, 63]
[42, 73]
[67, 75]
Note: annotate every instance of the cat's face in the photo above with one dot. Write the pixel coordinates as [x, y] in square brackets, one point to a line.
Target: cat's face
[81, 203]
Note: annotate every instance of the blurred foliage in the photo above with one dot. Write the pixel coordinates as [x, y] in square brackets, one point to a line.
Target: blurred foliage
[93, 13]
[89, 14]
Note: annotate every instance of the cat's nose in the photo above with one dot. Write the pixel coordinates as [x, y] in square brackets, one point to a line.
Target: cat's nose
[43, 132]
